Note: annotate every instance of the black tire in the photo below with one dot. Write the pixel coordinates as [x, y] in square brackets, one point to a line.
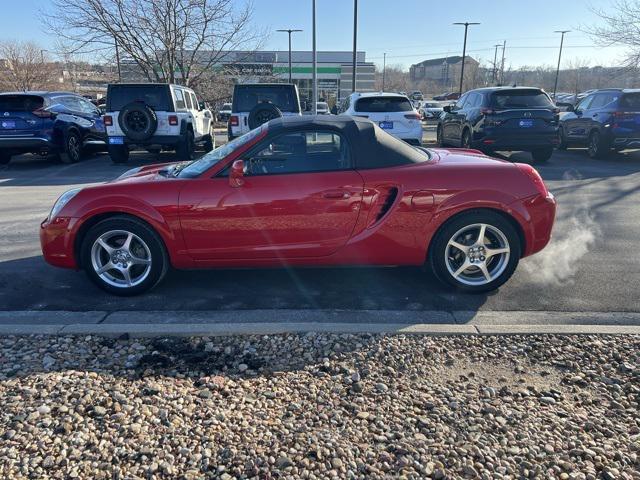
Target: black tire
[542, 155]
[72, 148]
[185, 150]
[209, 142]
[562, 141]
[5, 157]
[440, 137]
[119, 153]
[442, 256]
[262, 113]
[465, 142]
[159, 260]
[597, 146]
[138, 121]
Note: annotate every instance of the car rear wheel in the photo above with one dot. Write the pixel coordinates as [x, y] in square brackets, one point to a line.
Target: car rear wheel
[118, 153]
[5, 158]
[597, 147]
[186, 148]
[475, 252]
[124, 256]
[542, 155]
[72, 150]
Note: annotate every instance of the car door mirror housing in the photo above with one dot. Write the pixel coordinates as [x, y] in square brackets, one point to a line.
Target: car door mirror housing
[569, 107]
[447, 108]
[236, 174]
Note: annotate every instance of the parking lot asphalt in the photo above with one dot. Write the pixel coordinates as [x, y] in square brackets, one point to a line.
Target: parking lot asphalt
[591, 265]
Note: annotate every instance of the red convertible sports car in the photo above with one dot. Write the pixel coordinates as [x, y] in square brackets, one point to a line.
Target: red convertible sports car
[306, 191]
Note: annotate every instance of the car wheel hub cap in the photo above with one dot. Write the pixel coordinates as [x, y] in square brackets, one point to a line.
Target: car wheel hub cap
[477, 254]
[121, 258]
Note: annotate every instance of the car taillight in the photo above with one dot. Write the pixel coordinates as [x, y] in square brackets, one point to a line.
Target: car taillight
[108, 120]
[234, 121]
[173, 120]
[42, 113]
[412, 116]
[535, 177]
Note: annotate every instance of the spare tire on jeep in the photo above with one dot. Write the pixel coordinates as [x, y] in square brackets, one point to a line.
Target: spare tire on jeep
[262, 113]
[138, 121]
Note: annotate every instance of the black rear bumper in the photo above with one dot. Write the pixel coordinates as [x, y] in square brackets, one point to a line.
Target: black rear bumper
[18, 144]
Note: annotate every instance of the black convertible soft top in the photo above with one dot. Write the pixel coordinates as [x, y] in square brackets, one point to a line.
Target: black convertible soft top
[371, 146]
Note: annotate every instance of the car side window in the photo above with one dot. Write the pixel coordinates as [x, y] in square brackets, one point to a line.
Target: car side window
[87, 107]
[194, 101]
[603, 99]
[298, 152]
[585, 103]
[180, 105]
[461, 102]
[187, 100]
[473, 101]
[71, 103]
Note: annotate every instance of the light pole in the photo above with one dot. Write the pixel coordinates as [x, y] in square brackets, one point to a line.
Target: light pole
[504, 47]
[464, 50]
[355, 37]
[495, 65]
[555, 85]
[314, 87]
[384, 68]
[289, 31]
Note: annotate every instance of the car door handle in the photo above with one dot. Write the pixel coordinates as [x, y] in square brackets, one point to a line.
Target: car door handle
[336, 194]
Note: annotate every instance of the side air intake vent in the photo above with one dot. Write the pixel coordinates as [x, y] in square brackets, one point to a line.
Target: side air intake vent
[386, 202]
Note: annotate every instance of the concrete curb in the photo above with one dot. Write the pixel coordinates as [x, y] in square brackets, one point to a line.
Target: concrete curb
[226, 329]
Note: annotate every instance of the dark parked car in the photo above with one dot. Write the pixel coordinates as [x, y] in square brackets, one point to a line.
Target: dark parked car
[603, 120]
[502, 118]
[447, 96]
[44, 123]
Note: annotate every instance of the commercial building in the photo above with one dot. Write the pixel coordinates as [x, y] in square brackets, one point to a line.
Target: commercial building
[444, 71]
[334, 71]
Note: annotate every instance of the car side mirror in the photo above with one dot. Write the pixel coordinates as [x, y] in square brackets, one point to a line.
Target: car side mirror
[569, 107]
[236, 174]
[447, 108]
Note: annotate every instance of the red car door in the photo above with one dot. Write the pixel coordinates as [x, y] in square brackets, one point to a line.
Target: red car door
[299, 198]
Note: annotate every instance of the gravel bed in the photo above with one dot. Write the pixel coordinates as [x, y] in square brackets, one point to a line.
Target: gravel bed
[320, 406]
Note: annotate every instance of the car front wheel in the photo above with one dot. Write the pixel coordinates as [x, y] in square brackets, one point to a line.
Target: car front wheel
[123, 256]
[475, 252]
[597, 147]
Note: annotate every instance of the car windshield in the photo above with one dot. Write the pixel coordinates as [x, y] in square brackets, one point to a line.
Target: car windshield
[383, 104]
[198, 167]
[628, 100]
[226, 106]
[248, 96]
[156, 96]
[430, 105]
[521, 99]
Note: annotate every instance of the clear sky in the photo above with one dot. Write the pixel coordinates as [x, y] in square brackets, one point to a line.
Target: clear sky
[409, 31]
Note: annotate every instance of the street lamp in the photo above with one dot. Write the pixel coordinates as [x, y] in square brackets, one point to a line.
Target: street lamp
[289, 31]
[384, 68]
[355, 37]
[464, 49]
[314, 92]
[555, 85]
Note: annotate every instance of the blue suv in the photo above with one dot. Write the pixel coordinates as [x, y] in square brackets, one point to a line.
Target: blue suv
[44, 123]
[604, 120]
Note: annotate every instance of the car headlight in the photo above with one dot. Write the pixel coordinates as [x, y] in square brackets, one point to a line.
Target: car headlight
[62, 201]
[130, 172]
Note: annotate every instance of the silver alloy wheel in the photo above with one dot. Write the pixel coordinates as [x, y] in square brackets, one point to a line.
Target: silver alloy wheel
[593, 143]
[121, 258]
[477, 254]
[73, 147]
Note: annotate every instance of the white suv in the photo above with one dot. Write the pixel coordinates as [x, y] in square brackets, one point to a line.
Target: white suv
[155, 116]
[392, 112]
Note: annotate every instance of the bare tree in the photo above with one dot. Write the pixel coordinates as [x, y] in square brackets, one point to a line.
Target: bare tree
[396, 79]
[620, 26]
[177, 41]
[25, 67]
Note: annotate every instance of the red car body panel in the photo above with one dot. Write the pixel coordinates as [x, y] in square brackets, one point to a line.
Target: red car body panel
[379, 216]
